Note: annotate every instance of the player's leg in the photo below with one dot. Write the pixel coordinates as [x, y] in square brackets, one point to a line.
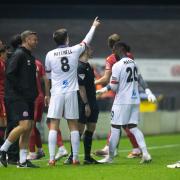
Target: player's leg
[24, 138]
[136, 152]
[52, 140]
[32, 142]
[62, 151]
[88, 135]
[3, 121]
[55, 112]
[38, 118]
[132, 125]
[71, 113]
[24, 143]
[2, 131]
[13, 151]
[118, 114]
[18, 111]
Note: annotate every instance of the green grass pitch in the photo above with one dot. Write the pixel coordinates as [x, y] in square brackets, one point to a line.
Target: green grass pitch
[165, 149]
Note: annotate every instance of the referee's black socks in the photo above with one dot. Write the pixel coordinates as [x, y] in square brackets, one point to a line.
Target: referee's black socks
[87, 143]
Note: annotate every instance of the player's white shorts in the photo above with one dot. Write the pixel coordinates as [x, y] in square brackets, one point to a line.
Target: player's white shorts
[125, 114]
[64, 105]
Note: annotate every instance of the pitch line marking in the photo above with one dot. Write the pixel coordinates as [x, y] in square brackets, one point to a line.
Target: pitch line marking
[127, 150]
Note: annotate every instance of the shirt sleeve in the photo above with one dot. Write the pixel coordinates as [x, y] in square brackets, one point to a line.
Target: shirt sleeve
[48, 67]
[81, 75]
[89, 35]
[116, 69]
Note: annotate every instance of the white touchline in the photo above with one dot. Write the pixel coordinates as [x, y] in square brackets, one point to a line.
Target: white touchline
[127, 150]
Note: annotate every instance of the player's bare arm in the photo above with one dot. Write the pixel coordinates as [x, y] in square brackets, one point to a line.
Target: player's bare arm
[47, 90]
[83, 95]
[91, 32]
[105, 78]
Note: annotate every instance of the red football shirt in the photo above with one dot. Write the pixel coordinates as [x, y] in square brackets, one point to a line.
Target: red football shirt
[40, 72]
[111, 60]
[2, 77]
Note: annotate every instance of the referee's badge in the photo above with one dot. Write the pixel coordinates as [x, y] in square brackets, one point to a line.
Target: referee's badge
[82, 76]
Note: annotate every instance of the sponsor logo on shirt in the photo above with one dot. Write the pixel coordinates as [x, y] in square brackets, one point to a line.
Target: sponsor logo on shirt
[65, 84]
[134, 94]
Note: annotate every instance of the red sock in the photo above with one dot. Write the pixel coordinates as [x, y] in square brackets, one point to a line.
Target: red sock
[38, 138]
[32, 141]
[108, 137]
[59, 139]
[131, 138]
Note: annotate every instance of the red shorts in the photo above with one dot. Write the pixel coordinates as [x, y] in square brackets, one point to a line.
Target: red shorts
[2, 108]
[39, 107]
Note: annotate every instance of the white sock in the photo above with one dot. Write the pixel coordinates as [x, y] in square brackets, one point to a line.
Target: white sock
[6, 145]
[136, 150]
[61, 148]
[23, 155]
[140, 139]
[52, 140]
[75, 141]
[113, 141]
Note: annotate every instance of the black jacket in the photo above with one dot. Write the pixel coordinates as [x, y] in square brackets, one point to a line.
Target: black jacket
[20, 80]
[86, 78]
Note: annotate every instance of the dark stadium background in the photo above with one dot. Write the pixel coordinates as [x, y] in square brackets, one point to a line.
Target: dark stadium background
[159, 37]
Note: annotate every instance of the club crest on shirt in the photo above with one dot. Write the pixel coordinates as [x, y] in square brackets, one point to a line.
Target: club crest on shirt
[28, 62]
[82, 76]
[25, 114]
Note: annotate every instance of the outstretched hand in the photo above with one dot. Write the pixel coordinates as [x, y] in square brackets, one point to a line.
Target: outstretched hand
[96, 22]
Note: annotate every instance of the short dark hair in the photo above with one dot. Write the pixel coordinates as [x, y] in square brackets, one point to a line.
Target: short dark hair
[112, 39]
[27, 33]
[121, 45]
[60, 36]
[3, 49]
[16, 41]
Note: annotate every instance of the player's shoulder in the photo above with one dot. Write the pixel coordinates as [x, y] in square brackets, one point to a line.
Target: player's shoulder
[111, 58]
[77, 46]
[49, 53]
[81, 66]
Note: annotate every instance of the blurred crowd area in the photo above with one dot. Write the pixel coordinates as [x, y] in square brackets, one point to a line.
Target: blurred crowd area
[151, 31]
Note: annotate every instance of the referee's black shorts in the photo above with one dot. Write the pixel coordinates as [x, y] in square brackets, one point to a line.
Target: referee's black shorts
[94, 113]
[18, 110]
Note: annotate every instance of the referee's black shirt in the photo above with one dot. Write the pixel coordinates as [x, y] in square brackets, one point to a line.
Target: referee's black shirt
[86, 78]
[20, 80]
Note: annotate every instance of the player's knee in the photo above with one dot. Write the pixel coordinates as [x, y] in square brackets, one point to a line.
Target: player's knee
[130, 126]
[91, 127]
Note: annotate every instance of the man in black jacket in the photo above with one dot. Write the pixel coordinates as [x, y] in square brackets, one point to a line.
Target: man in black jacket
[20, 94]
[13, 151]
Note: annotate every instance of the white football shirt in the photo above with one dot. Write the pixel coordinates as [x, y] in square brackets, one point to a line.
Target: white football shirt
[125, 73]
[62, 64]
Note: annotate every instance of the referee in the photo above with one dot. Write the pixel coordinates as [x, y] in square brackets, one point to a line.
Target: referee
[88, 108]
